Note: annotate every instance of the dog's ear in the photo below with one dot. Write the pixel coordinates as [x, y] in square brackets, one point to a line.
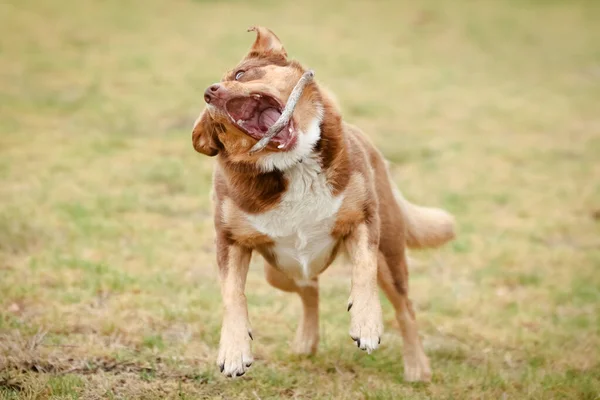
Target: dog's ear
[267, 42]
[204, 135]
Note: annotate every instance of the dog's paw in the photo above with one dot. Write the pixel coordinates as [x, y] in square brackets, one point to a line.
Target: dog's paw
[366, 324]
[306, 342]
[235, 353]
[416, 367]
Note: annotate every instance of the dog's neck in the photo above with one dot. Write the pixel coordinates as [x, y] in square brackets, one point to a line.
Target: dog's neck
[304, 148]
[258, 184]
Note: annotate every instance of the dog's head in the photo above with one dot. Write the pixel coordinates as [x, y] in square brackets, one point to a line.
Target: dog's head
[247, 102]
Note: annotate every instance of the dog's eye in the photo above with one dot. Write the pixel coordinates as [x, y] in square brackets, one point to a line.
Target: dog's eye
[238, 75]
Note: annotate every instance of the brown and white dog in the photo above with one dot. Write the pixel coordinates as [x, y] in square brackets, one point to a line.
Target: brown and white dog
[319, 186]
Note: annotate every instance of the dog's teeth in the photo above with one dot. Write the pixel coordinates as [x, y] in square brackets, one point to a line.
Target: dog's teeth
[257, 96]
[290, 130]
[280, 146]
[240, 122]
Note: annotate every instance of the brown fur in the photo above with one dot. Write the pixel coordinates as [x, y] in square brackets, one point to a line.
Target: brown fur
[250, 189]
[352, 210]
[240, 231]
[373, 223]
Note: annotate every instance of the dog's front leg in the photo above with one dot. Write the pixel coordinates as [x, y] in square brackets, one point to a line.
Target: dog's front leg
[366, 325]
[235, 353]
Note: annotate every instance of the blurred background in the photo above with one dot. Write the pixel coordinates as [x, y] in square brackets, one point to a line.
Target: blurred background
[108, 285]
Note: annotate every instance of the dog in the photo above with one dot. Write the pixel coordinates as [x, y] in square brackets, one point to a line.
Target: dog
[318, 188]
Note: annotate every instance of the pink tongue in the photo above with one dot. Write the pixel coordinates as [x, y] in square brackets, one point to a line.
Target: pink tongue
[267, 118]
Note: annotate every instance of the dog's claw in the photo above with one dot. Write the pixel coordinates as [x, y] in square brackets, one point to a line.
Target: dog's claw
[250, 334]
[235, 355]
[349, 306]
[366, 323]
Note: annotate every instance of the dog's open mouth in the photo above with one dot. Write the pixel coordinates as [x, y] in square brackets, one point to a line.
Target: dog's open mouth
[255, 114]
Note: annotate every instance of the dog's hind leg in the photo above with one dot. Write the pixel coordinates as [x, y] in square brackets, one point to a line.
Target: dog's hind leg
[392, 275]
[307, 335]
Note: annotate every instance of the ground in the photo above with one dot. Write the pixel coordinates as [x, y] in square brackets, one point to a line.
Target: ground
[108, 280]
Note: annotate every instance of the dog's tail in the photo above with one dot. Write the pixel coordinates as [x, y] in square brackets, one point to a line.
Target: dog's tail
[425, 226]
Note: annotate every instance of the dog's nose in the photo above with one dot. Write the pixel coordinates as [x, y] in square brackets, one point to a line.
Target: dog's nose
[211, 92]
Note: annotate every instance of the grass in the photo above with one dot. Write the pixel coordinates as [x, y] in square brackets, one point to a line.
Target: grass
[107, 270]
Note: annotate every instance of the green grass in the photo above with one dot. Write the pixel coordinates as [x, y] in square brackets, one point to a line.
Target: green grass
[108, 280]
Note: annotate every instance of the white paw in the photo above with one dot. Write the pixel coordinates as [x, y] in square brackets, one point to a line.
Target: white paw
[305, 343]
[366, 324]
[235, 353]
[416, 368]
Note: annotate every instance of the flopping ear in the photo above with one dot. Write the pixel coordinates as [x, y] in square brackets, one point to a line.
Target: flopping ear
[267, 42]
[204, 135]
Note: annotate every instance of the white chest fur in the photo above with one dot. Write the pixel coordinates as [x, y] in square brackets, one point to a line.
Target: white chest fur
[302, 222]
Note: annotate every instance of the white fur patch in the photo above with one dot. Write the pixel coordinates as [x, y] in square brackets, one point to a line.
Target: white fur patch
[302, 222]
[304, 146]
